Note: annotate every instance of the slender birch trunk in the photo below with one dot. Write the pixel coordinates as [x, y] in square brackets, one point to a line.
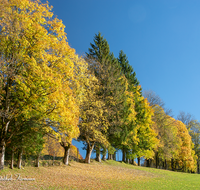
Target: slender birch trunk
[37, 164]
[2, 154]
[12, 159]
[19, 162]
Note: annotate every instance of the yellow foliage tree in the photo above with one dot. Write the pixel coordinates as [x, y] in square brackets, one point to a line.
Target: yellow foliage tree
[146, 135]
[93, 121]
[185, 157]
[37, 70]
[166, 131]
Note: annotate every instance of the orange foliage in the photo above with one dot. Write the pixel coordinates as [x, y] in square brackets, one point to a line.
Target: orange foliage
[53, 148]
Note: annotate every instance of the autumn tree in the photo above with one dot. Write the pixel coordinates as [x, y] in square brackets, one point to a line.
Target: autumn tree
[166, 131]
[194, 131]
[93, 122]
[113, 87]
[193, 127]
[146, 136]
[36, 66]
[175, 143]
[186, 158]
[29, 143]
[153, 98]
[78, 84]
[186, 118]
[128, 130]
[133, 86]
[52, 147]
[143, 114]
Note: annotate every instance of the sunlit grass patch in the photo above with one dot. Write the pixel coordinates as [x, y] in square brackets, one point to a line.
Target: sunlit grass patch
[105, 175]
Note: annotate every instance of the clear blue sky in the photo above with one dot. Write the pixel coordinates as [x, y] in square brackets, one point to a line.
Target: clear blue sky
[161, 39]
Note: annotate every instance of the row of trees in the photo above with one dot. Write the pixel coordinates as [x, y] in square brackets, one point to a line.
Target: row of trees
[47, 89]
[139, 126]
[175, 149]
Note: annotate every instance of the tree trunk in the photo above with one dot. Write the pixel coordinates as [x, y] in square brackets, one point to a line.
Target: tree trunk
[132, 161]
[114, 156]
[98, 155]
[12, 159]
[124, 155]
[165, 164]
[53, 158]
[66, 146]
[89, 152]
[104, 157]
[151, 163]
[108, 156]
[138, 161]
[157, 160]
[172, 164]
[66, 154]
[159, 165]
[147, 162]
[126, 159]
[2, 154]
[19, 162]
[37, 160]
[104, 154]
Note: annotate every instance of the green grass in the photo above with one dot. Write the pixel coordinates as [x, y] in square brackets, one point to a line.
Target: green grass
[163, 179]
[105, 175]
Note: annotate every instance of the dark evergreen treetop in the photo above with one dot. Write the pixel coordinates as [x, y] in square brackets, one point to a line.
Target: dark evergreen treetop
[100, 49]
[127, 69]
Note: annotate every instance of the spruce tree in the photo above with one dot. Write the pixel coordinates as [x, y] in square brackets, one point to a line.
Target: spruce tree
[108, 71]
[133, 83]
[127, 69]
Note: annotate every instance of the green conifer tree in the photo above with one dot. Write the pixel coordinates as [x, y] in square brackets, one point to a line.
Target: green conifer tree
[113, 87]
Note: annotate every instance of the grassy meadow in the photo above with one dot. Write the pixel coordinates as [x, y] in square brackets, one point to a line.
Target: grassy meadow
[105, 175]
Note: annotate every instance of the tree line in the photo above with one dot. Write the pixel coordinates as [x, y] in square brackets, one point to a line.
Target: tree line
[46, 89]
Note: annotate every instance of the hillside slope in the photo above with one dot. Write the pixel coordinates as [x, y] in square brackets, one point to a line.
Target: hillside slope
[106, 175]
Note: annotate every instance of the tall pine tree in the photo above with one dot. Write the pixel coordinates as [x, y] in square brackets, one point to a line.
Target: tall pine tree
[113, 87]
